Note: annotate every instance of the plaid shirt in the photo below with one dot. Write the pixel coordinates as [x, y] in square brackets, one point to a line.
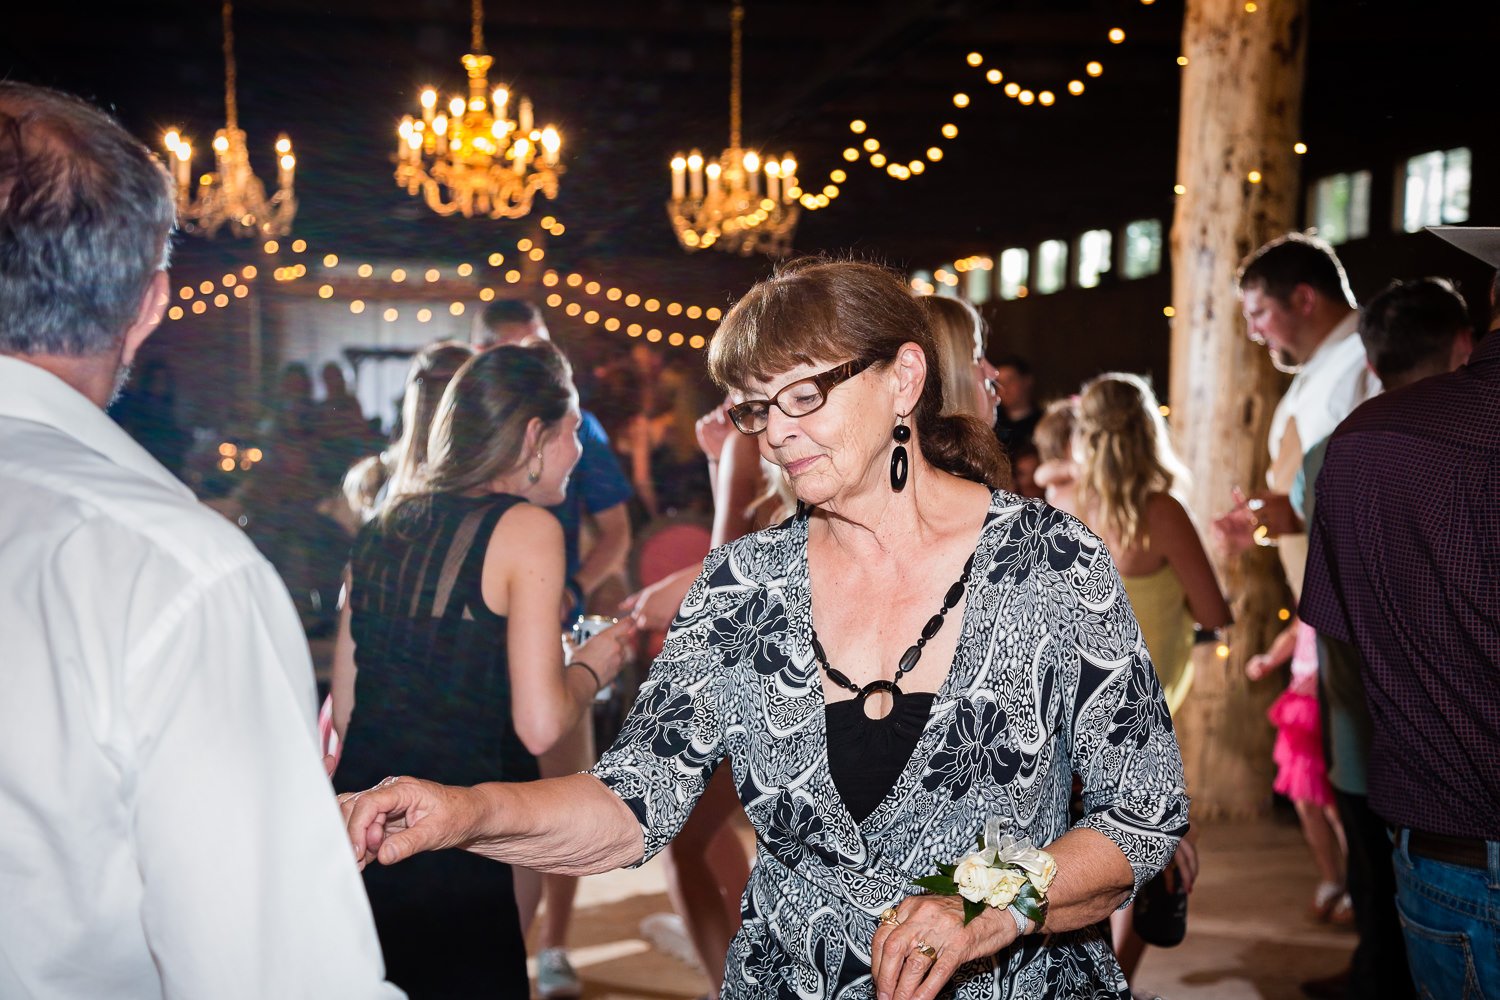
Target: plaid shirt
[1404, 563]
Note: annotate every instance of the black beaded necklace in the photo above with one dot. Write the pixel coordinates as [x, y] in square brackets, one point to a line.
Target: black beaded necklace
[908, 659]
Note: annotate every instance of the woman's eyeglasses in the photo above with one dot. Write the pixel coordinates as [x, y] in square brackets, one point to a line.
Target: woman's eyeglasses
[796, 400]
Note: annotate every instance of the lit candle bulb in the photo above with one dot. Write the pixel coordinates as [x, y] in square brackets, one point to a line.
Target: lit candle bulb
[712, 171]
[551, 142]
[679, 177]
[695, 173]
[429, 104]
[501, 95]
[525, 120]
[287, 163]
[788, 175]
[773, 180]
[184, 165]
[752, 172]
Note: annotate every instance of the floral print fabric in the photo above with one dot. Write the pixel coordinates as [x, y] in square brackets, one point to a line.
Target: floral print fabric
[1051, 678]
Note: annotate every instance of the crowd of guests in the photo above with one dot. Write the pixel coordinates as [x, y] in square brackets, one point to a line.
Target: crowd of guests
[933, 609]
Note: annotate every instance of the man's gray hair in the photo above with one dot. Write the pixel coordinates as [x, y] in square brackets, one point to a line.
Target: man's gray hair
[85, 216]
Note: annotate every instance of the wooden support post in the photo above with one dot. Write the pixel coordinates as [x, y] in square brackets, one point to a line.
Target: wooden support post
[1237, 171]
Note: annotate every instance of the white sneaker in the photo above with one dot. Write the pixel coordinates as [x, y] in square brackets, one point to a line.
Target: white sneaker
[555, 978]
[666, 933]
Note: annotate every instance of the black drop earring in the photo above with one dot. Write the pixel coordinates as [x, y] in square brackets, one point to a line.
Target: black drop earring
[900, 464]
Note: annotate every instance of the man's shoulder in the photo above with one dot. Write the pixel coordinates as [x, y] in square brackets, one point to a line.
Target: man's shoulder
[1435, 408]
[61, 488]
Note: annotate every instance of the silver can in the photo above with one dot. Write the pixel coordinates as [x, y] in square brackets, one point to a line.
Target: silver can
[584, 629]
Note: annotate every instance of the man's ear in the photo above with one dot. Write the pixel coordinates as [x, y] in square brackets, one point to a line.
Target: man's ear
[1303, 299]
[1463, 346]
[147, 318]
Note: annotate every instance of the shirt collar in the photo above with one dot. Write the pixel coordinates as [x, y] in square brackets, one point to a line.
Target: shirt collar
[1342, 331]
[28, 392]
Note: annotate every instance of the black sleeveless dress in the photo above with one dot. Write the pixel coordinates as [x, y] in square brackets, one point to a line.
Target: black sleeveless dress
[433, 700]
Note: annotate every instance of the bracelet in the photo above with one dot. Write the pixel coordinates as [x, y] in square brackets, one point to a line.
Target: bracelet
[598, 685]
[1021, 921]
[572, 586]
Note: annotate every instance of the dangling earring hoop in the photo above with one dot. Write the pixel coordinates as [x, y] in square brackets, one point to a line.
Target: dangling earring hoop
[534, 476]
[900, 464]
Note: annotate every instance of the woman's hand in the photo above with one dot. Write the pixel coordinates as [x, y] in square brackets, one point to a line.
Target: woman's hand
[404, 816]
[901, 971]
[608, 651]
[653, 608]
[713, 429]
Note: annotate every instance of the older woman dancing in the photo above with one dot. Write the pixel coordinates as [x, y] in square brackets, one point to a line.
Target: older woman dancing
[909, 657]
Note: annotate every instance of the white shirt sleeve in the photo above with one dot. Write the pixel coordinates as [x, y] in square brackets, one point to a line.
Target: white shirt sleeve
[249, 887]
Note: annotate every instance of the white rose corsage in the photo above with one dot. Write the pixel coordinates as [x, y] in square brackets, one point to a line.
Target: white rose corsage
[1005, 872]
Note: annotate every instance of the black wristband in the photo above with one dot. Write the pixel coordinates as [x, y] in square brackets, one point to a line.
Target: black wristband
[598, 685]
[571, 586]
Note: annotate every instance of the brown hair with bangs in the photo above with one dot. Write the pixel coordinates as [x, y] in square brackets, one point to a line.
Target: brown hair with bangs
[819, 311]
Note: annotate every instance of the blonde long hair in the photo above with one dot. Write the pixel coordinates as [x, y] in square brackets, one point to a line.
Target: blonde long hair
[1125, 454]
[397, 468]
[956, 329]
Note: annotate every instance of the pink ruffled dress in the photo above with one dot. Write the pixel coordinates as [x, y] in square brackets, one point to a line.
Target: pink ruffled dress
[1301, 773]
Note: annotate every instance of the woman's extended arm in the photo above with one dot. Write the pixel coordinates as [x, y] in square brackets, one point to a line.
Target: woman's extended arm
[523, 579]
[569, 826]
[1174, 535]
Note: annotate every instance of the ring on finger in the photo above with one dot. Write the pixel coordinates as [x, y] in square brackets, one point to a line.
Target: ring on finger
[888, 916]
[925, 950]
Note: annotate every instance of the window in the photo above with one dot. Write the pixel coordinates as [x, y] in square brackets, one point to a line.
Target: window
[976, 271]
[1015, 271]
[1051, 266]
[1341, 207]
[1436, 190]
[1093, 256]
[1141, 254]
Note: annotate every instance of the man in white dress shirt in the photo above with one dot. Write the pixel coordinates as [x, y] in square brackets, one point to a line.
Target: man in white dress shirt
[1297, 302]
[166, 828]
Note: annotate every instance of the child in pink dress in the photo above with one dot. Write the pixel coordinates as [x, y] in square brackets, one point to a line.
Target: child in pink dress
[1301, 772]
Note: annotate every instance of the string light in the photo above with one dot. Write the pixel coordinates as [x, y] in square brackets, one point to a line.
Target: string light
[1253, 177]
[588, 315]
[1116, 35]
[1300, 148]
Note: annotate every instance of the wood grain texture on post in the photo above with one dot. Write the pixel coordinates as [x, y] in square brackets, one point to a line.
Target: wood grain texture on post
[1239, 186]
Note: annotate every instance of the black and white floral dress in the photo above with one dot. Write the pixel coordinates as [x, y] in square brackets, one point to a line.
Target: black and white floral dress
[1051, 678]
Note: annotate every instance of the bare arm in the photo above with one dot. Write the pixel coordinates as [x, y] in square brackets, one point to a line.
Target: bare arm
[523, 580]
[568, 826]
[612, 541]
[655, 606]
[738, 482]
[341, 684]
[1175, 537]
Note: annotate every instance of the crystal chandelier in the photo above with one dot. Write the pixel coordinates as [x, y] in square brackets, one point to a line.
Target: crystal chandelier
[489, 164]
[232, 194]
[721, 202]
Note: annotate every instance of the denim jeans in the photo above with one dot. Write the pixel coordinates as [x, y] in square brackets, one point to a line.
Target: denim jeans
[1450, 916]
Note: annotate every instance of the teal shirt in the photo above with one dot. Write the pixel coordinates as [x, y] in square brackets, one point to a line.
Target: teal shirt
[1341, 689]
